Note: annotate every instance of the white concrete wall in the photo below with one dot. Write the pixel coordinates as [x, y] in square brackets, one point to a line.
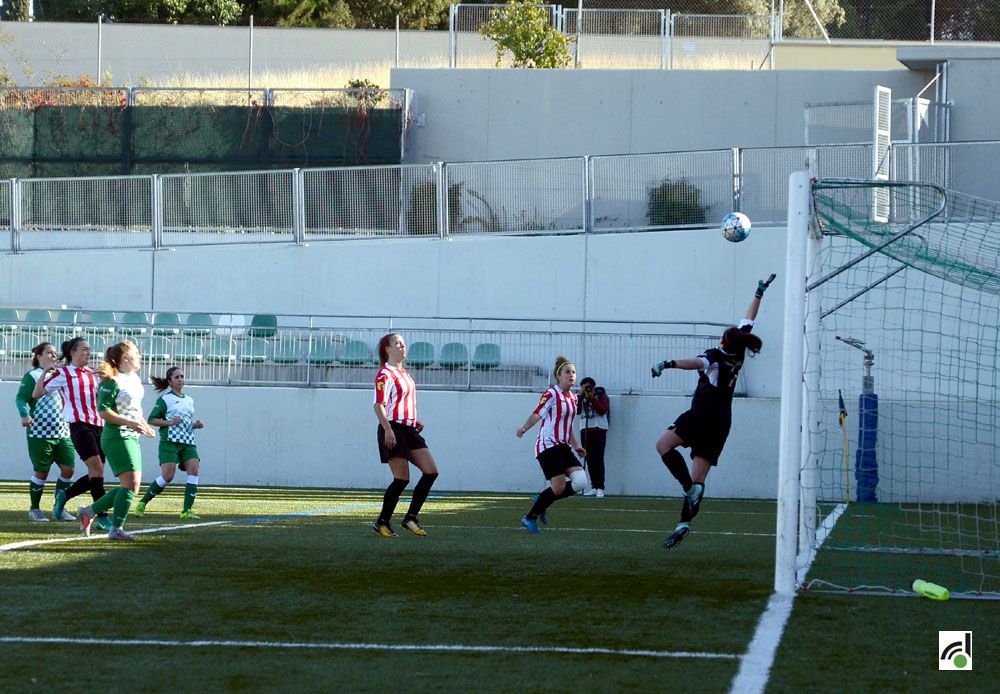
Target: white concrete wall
[326, 438]
[545, 113]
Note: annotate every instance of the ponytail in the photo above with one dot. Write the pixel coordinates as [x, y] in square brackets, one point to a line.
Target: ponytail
[162, 384]
[111, 366]
[736, 341]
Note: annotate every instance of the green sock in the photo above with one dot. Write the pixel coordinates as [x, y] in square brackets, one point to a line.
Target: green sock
[62, 485]
[152, 490]
[106, 501]
[190, 492]
[36, 487]
[123, 504]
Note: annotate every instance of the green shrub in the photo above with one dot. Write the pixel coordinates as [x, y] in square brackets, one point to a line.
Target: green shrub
[673, 203]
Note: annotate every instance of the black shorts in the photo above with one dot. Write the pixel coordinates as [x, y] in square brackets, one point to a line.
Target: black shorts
[704, 433]
[408, 439]
[86, 439]
[557, 460]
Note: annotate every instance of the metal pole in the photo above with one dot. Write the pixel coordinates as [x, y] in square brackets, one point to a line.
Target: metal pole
[100, 46]
[579, 22]
[933, 8]
[397, 40]
[250, 62]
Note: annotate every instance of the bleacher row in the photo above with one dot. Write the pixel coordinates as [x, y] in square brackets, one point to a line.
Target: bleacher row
[163, 337]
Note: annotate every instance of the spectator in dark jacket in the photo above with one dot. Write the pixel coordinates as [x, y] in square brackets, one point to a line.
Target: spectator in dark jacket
[594, 411]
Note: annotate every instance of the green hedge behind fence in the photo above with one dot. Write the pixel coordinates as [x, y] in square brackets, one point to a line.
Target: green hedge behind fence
[52, 141]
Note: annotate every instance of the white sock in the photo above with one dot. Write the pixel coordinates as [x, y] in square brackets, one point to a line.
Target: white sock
[65, 480]
[37, 482]
[160, 482]
[192, 479]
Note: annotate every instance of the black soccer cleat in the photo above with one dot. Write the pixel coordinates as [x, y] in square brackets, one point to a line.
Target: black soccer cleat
[679, 533]
[692, 500]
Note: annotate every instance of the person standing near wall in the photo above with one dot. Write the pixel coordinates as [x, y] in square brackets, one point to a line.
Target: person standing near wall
[47, 433]
[555, 444]
[705, 426]
[594, 410]
[399, 439]
[173, 413]
[77, 386]
[119, 402]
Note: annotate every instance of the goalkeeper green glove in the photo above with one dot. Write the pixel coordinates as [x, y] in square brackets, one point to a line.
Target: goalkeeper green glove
[762, 286]
[659, 366]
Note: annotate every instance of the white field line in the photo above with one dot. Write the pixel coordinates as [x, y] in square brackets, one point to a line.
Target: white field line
[377, 647]
[206, 524]
[546, 529]
[755, 665]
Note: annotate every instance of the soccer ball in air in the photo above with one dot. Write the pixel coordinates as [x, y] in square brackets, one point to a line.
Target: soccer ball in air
[735, 226]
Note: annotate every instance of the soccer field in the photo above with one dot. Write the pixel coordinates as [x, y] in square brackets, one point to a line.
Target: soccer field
[289, 589]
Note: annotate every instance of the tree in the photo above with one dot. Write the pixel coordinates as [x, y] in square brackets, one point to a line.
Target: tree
[522, 27]
[151, 11]
[15, 10]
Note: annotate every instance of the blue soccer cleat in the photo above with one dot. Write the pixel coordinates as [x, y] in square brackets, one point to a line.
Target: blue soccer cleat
[541, 516]
[679, 533]
[530, 525]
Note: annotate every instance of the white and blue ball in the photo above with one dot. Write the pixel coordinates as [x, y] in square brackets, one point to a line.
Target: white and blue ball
[735, 227]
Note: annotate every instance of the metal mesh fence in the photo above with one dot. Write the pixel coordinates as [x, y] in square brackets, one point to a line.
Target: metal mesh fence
[253, 206]
[618, 37]
[911, 120]
[517, 196]
[331, 351]
[99, 212]
[720, 42]
[660, 191]
[972, 168]
[370, 201]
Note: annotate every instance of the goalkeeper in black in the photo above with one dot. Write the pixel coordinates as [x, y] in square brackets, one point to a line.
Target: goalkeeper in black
[705, 426]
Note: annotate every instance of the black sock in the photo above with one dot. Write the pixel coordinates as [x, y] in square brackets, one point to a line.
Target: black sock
[678, 468]
[567, 492]
[391, 498]
[97, 491]
[544, 500]
[420, 492]
[81, 485]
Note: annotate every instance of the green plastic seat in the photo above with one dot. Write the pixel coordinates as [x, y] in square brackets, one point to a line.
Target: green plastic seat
[356, 353]
[3, 346]
[419, 355]
[287, 351]
[486, 356]
[168, 324]
[157, 349]
[66, 317]
[189, 349]
[99, 344]
[322, 350]
[101, 323]
[19, 345]
[263, 325]
[134, 323]
[198, 324]
[9, 321]
[36, 320]
[220, 350]
[253, 351]
[454, 355]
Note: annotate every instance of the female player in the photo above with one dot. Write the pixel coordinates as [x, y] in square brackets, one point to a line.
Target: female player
[119, 402]
[77, 386]
[555, 444]
[399, 439]
[173, 413]
[705, 426]
[48, 434]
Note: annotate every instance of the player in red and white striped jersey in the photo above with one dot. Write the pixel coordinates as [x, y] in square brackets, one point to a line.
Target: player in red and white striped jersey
[77, 384]
[555, 444]
[399, 439]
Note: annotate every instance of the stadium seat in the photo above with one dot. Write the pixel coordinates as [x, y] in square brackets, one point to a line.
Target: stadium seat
[189, 349]
[65, 327]
[36, 320]
[9, 321]
[287, 351]
[166, 324]
[356, 353]
[198, 324]
[20, 344]
[420, 354]
[98, 346]
[101, 323]
[253, 351]
[454, 355]
[220, 350]
[66, 317]
[322, 350]
[3, 346]
[486, 356]
[133, 323]
[157, 349]
[263, 325]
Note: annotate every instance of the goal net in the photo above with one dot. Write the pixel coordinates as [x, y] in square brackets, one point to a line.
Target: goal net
[898, 469]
